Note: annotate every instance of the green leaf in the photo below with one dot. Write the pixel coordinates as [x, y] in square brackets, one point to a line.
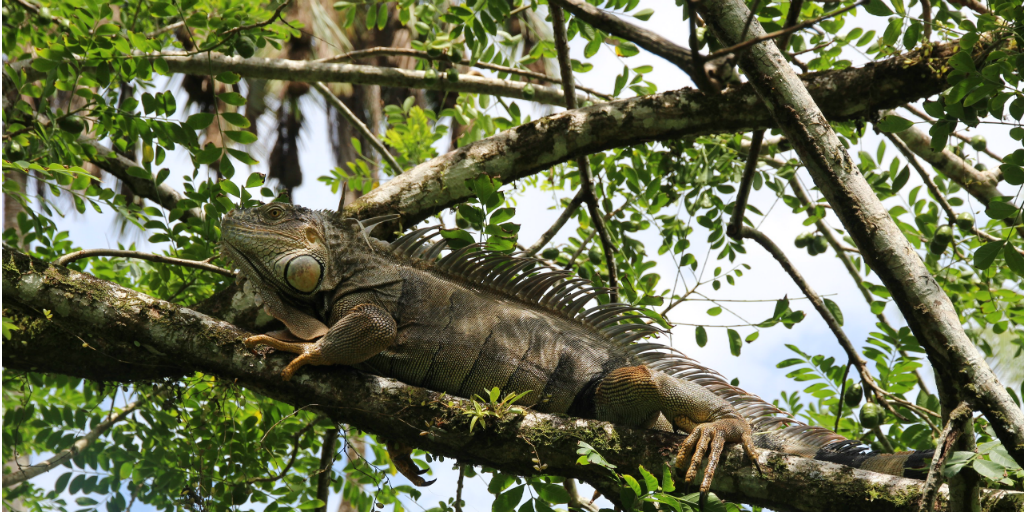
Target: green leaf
[702, 336]
[62, 482]
[229, 187]
[44, 65]
[199, 121]
[502, 215]
[236, 119]
[877, 8]
[649, 481]
[667, 484]
[254, 180]
[715, 311]
[457, 238]
[1013, 259]
[382, 16]
[986, 254]
[312, 504]
[644, 14]
[956, 462]
[1000, 210]
[241, 136]
[877, 307]
[229, 77]
[552, 493]
[893, 124]
[232, 98]
[834, 309]
[898, 5]
[243, 157]
[208, 155]
[735, 343]
[633, 484]
[1013, 174]
[989, 469]
[963, 62]
[901, 179]
[508, 500]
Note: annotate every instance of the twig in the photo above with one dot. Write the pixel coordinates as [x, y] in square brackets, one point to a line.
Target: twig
[323, 478]
[458, 488]
[974, 5]
[351, 117]
[28, 6]
[164, 29]
[81, 444]
[794, 14]
[917, 112]
[291, 461]
[882, 440]
[819, 305]
[926, 19]
[386, 51]
[795, 28]
[575, 501]
[159, 258]
[645, 39]
[954, 428]
[739, 208]
[586, 177]
[842, 396]
[939, 198]
[228, 33]
[553, 230]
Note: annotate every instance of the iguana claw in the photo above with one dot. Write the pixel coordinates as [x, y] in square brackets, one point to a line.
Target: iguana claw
[401, 456]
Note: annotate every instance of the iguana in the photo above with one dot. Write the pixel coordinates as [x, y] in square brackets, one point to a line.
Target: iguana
[474, 320]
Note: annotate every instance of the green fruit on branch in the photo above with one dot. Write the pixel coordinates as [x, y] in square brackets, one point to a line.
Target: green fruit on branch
[872, 415]
[943, 236]
[965, 221]
[71, 123]
[853, 395]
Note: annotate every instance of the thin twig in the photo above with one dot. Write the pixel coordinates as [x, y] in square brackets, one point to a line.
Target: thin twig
[159, 258]
[917, 112]
[819, 305]
[164, 29]
[795, 28]
[323, 479]
[80, 444]
[934, 189]
[553, 230]
[458, 488]
[351, 117]
[575, 501]
[586, 177]
[291, 461]
[739, 208]
[954, 428]
[842, 396]
[794, 14]
[409, 52]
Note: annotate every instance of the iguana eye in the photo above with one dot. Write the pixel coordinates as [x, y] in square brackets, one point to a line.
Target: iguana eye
[274, 213]
[303, 273]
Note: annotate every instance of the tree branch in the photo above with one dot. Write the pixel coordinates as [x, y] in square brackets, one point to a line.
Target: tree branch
[586, 176]
[980, 184]
[527, 149]
[323, 479]
[112, 318]
[80, 444]
[954, 427]
[159, 258]
[335, 102]
[557, 226]
[927, 309]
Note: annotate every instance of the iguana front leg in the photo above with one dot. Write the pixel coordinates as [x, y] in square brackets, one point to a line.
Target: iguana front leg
[361, 334]
[638, 396]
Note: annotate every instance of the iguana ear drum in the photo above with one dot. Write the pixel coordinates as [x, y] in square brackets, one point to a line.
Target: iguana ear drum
[303, 273]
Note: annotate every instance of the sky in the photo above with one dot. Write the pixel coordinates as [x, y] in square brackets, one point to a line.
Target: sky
[764, 282]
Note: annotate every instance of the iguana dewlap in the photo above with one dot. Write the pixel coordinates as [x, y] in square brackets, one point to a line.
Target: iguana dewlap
[474, 320]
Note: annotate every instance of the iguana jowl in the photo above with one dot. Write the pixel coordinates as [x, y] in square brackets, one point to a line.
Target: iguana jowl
[476, 320]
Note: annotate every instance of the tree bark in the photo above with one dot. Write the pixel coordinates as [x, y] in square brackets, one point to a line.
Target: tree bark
[927, 309]
[175, 341]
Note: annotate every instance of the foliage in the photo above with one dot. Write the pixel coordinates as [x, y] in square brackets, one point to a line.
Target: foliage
[93, 72]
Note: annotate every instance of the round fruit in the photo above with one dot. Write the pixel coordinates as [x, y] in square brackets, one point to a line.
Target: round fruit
[245, 47]
[13, 151]
[71, 123]
[872, 415]
[452, 76]
[980, 166]
[852, 396]
[965, 221]
[820, 244]
[943, 236]
[978, 142]
[804, 240]
[528, 92]
[550, 253]
[430, 75]
[594, 255]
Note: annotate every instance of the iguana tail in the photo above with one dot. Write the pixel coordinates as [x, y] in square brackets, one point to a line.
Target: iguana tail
[777, 430]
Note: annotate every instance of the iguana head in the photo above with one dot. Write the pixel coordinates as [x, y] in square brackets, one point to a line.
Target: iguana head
[278, 246]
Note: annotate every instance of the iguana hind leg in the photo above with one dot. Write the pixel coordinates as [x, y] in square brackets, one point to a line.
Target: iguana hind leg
[361, 334]
[632, 394]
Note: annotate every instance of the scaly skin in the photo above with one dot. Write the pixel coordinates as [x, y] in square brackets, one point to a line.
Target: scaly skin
[459, 326]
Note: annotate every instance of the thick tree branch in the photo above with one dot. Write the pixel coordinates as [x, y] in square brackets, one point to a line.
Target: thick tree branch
[118, 166]
[927, 309]
[159, 258]
[980, 184]
[112, 318]
[525, 150]
[954, 427]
